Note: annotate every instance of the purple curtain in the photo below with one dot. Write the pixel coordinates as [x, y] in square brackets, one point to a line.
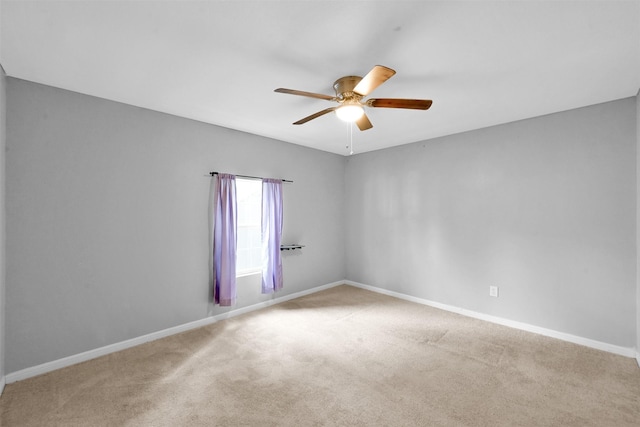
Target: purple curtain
[224, 240]
[271, 235]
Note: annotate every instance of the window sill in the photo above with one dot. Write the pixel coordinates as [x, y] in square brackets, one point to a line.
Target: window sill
[248, 273]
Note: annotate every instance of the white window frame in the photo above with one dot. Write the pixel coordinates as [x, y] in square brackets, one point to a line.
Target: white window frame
[249, 220]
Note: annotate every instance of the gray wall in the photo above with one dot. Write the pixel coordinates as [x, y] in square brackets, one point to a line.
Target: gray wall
[543, 208]
[3, 105]
[107, 228]
[637, 226]
[107, 223]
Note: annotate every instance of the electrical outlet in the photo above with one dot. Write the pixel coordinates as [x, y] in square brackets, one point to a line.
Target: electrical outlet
[493, 291]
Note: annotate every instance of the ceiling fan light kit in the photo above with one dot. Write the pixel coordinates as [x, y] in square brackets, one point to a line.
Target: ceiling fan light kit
[350, 91]
[349, 113]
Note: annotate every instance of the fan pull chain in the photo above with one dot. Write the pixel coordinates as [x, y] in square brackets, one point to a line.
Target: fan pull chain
[347, 146]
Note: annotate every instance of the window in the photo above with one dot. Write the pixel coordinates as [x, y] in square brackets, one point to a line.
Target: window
[249, 204]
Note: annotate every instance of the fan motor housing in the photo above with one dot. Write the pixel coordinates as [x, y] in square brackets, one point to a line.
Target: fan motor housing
[345, 85]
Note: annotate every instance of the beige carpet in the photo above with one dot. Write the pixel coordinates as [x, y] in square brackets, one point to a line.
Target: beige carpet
[344, 357]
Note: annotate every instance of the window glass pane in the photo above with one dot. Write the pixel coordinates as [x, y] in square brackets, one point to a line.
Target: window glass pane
[243, 237]
[254, 237]
[249, 198]
[242, 263]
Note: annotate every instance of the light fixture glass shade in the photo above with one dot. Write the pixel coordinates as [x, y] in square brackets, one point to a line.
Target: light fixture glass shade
[349, 112]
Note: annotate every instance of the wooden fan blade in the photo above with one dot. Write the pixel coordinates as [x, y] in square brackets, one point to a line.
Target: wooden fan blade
[374, 78]
[308, 94]
[315, 115]
[412, 104]
[364, 123]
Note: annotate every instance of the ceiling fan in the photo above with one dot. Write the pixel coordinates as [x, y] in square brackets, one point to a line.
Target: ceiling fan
[350, 91]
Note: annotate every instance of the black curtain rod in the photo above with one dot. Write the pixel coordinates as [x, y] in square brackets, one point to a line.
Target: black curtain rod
[248, 176]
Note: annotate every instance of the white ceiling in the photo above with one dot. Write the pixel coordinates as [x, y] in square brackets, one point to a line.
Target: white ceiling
[481, 62]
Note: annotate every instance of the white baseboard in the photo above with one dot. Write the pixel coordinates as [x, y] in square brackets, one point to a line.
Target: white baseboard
[2, 384]
[622, 351]
[112, 348]
[638, 357]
